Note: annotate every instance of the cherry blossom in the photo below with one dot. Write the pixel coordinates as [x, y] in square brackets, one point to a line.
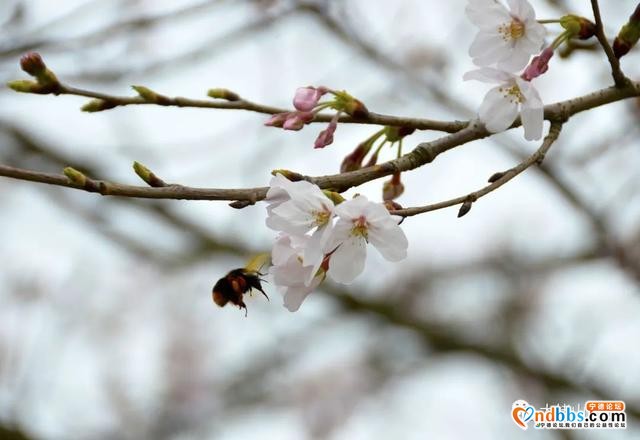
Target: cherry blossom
[502, 104]
[289, 274]
[306, 98]
[538, 65]
[507, 38]
[360, 222]
[326, 136]
[298, 208]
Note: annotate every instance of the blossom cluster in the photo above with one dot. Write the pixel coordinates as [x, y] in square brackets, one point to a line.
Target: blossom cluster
[507, 39]
[307, 105]
[322, 234]
[503, 47]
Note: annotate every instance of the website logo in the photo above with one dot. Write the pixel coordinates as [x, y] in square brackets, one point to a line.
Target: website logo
[595, 414]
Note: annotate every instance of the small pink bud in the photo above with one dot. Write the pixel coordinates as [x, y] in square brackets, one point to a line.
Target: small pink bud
[32, 64]
[539, 65]
[353, 160]
[296, 120]
[307, 98]
[326, 136]
[392, 189]
[277, 120]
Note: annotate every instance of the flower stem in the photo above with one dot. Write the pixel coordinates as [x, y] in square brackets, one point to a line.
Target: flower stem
[565, 36]
[549, 21]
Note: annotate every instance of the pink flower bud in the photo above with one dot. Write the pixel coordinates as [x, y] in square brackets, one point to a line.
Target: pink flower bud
[277, 120]
[326, 136]
[353, 161]
[392, 189]
[307, 98]
[539, 65]
[32, 64]
[297, 120]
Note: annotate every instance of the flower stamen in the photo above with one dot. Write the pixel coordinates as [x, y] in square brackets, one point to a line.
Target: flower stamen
[513, 93]
[512, 30]
[360, 228]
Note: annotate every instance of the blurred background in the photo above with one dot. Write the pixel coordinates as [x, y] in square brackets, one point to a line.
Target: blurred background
[107, 328]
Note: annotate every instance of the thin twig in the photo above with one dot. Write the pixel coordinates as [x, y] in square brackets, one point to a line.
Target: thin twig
[618, 77]
[244, 104]
[535, 158]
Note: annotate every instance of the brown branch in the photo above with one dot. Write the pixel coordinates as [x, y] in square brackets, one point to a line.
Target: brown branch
[500, 178]
[616, 72]
[112, 101]
[421, 155]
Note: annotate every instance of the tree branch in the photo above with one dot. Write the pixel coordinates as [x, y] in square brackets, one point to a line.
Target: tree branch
[111, 101]
[618, 77]
[424, 153]
[500, 179]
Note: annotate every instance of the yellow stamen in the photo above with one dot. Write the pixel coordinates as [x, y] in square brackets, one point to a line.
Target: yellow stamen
[512, 31]
[360, 227]
[513, 93]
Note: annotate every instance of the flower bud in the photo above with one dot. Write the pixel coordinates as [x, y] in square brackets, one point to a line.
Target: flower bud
[392, 189]
[335, 197]
[465, 208]
[33, 64]
[97, 105]
[277, 120]
[326, 136]
[356, 109]
[538, 65]
[290, 175]
[578, 26]
[148, 176]
[24, 86]
[391, 205]
[353, 160]
[343, 102]
[225, 94]
[146, 93]
[306, 98]
[394, 134]
[628, 35]
[296, 120]
[75, 176]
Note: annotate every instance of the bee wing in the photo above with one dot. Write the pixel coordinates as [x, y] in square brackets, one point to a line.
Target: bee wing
[256, 262]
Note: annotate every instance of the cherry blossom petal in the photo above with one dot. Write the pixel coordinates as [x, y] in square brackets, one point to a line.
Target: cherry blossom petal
[488, 75]
[521, 9]
[497, 111]
[347, 262]
[516, 60]
[390, 241]
[485, 13]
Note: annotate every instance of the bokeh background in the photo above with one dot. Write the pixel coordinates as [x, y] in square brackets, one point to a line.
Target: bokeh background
[107, 329]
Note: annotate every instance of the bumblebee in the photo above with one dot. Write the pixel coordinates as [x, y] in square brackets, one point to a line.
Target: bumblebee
[237, 282]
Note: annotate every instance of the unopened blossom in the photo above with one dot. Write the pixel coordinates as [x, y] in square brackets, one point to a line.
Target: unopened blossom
[507, 37]
[538, 65]
[360, 222]
[308, 105]
[326, 136]
[306, 98]
[513, 95]
[288, 272]
[301, 208]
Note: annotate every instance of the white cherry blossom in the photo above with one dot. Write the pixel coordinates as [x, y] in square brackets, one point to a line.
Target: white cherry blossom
[507, 38]
[298, 208]
[360, 222]
[294, 280]
[502, 104]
